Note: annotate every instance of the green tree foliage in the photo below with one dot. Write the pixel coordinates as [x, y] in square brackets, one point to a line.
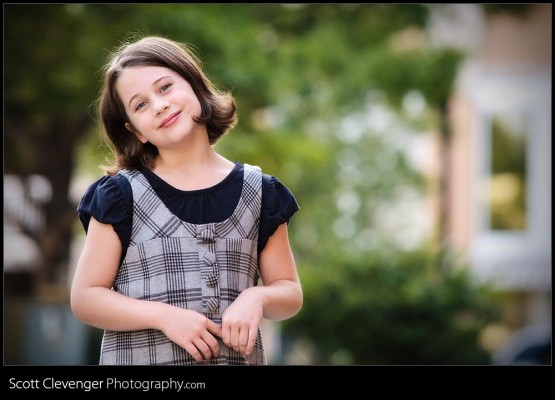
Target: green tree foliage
[393, 309]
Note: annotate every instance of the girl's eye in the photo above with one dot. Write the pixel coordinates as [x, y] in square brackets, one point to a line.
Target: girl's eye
[139, 105]
[165, 87]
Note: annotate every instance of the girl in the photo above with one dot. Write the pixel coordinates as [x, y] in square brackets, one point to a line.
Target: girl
[177, 235]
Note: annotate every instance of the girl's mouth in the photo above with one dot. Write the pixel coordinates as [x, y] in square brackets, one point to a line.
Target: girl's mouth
[169, 121]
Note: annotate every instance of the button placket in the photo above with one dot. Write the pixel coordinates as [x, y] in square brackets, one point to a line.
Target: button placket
[209, 270]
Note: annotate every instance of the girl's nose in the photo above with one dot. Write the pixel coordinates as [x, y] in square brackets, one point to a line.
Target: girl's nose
[161, 105]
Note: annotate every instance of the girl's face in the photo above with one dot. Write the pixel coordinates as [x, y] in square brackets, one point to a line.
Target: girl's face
[159, 103]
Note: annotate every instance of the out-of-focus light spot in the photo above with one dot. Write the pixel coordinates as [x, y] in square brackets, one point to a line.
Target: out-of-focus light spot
[40, 189]
[350, 130]
[348, 203]
[379, 118]
[414, 103]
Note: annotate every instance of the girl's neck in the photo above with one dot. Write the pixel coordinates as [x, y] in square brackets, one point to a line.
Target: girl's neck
[192, 169]
[188, 160]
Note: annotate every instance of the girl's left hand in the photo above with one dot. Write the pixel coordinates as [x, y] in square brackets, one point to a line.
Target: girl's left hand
[241, 320]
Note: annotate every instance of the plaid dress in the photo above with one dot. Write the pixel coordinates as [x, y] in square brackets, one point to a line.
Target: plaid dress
[201, 267]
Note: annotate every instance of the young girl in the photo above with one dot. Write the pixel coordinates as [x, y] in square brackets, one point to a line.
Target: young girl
[177, 235]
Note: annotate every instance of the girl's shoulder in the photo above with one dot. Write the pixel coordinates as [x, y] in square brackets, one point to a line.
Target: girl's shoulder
[271, 184]
[108, 199]
[106, 188]
[278, 207]
[277, 192]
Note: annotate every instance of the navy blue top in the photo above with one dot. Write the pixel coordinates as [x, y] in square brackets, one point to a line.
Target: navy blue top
[110, 200]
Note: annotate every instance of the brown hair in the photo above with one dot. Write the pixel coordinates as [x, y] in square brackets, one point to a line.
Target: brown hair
[218, 108]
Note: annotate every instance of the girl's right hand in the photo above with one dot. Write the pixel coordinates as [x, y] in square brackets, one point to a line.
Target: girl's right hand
[192, 331]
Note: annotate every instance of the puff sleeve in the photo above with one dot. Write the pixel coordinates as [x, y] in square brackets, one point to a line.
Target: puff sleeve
[108, 200]
[278, 206]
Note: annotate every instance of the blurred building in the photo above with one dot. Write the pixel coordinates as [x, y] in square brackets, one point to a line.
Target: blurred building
[23, 218]
[36, 331]
[499, 186]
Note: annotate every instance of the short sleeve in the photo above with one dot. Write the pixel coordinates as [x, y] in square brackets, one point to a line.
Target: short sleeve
[278, 207]
[109, 201]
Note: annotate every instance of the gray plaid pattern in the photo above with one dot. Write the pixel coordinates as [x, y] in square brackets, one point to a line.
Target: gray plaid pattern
[201, 267]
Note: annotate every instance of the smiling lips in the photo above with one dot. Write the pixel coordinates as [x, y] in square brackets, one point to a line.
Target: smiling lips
[170, 120]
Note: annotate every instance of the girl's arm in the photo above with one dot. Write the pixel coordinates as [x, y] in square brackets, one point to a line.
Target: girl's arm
[93, 302]
[279, 298]
[282, 293]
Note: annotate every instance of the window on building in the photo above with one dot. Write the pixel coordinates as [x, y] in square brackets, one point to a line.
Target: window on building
[507, 185]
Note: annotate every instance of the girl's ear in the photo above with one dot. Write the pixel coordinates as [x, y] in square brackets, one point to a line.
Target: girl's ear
[135, 132]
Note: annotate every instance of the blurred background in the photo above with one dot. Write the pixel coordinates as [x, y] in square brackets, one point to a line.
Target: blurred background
[416, 139]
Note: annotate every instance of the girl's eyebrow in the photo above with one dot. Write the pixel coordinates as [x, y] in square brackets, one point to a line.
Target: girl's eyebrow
[153, 84]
